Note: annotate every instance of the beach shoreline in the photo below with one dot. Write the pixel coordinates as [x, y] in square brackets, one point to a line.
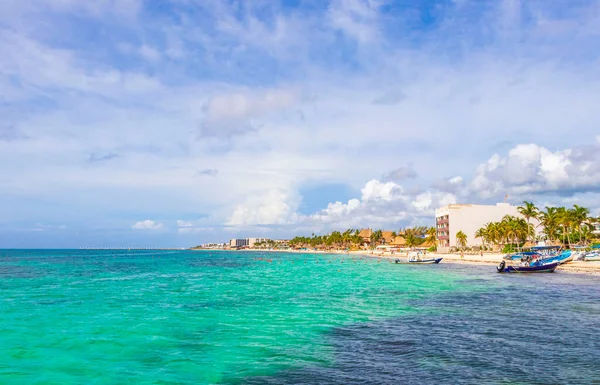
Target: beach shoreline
[574, 267]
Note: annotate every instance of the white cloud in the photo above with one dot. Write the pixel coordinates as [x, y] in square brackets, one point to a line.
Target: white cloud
[147, 225]
[356, 18]
[535, 169]
[275, 207]
[376, 190]
[306, 87]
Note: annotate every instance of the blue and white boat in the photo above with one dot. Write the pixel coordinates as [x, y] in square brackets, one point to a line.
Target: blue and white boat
[564, 257]
[593, 255]
[549, 268]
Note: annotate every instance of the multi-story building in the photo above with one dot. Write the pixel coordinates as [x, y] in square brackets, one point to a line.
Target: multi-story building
[249, 242]
[240, 242]
[596, 230]
[253, 241]
[468, 218]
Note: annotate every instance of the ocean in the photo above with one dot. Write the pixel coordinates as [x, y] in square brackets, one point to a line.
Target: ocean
[202, 317]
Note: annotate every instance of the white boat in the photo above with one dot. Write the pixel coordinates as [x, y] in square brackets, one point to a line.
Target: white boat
[418, 258]
[592, 256]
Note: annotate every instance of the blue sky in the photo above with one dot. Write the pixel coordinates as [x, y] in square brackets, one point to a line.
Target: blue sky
[177, 122]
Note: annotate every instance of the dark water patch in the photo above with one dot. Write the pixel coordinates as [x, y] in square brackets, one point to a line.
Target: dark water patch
[526, 335]
[20, 271]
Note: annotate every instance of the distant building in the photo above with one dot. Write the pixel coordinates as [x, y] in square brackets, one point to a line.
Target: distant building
[596, 230]
[468, 218]
[240, 242]
[365, 234]
[253, 241]
[246, 242]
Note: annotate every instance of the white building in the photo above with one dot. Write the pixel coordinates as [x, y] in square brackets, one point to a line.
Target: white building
[467, 218]
[596, 230]
[253, 241]
[242, 242]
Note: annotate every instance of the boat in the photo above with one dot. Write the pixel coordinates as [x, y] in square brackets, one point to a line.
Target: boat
[535, 252]
[564, 257]
[548, 268]
[592, 256]
[418, 258]
[429, 261]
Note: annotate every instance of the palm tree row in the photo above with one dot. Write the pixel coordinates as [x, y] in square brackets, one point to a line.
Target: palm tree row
[414, 236]
[509, 231]
[566, 225]
[350, 237]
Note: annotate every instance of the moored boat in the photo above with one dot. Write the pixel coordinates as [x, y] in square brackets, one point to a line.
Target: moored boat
[421, 261]
[418, 258]
[548, 268]
[564, 257]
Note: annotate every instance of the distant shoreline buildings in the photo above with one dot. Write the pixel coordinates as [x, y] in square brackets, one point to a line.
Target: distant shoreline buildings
[466, 220]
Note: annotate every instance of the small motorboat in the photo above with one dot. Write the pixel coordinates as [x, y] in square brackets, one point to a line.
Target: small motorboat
[421, 261]
[537, 268]
[592, 256]
[564, 257]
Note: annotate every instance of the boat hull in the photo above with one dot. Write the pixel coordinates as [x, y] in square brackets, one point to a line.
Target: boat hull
[427, 261]
[422, 262]
[549, 268]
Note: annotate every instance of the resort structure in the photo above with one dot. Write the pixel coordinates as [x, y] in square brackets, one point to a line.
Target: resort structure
[246, 242]
[468, 218]
[596, 230]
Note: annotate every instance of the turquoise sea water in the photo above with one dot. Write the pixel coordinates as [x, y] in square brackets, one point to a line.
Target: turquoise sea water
[154, 317]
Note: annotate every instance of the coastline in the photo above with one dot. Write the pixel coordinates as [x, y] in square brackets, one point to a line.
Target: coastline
[574, 267]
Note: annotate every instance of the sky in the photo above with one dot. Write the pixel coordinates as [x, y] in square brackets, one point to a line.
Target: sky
[171, 123]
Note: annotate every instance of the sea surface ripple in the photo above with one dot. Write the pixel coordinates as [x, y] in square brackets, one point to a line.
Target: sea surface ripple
[185, 317]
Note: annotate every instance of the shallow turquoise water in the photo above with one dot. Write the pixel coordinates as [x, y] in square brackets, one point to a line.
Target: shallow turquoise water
[220, 317]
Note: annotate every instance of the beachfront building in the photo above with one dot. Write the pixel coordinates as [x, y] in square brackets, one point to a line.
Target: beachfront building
[596, 228]
[254, 241]
[239, 242]
[468, 218]
[246, 242]
[365, 234]
[387, 238]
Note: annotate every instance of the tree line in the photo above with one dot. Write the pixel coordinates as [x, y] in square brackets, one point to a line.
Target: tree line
[568, 226]
[413, 236]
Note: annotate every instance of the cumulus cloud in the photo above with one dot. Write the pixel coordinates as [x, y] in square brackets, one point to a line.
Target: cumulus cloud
[147, 224]
[534, 169]
[381, 204]
[275, 207]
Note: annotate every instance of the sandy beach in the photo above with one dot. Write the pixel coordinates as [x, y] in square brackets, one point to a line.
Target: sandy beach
[579, 267]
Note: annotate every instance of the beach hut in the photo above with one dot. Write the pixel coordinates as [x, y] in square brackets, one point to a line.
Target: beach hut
[365, 234]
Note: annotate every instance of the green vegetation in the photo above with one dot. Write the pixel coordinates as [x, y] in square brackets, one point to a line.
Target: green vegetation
[559, 224]
[352, 238]
[461, 240]
[336, 239]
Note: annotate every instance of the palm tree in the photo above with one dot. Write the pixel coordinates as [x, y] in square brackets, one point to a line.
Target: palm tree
[580, 216]
[432, 237]
[482, 233]
[461, 240]
[528, 210]
[376, 237]
[550, 222]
